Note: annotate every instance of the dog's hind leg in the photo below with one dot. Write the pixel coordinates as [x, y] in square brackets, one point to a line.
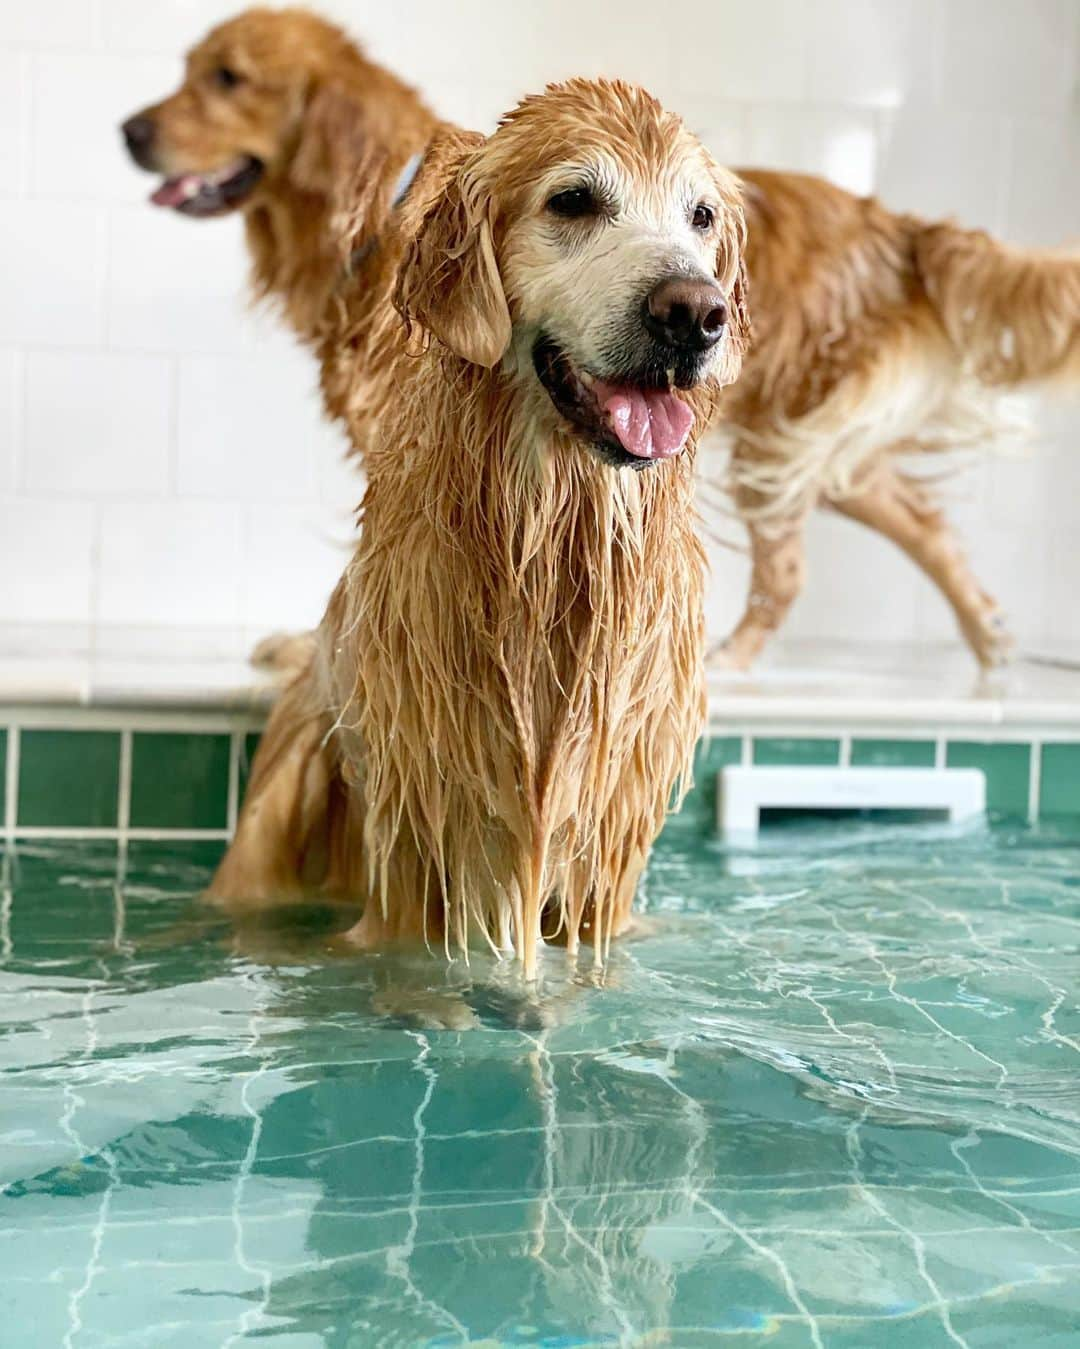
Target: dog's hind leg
[283, 654]
[905, 512]
[285, 838]
[778, 558]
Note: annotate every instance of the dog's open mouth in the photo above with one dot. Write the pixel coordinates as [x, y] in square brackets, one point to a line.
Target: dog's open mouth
[630, 425]
[210, 193]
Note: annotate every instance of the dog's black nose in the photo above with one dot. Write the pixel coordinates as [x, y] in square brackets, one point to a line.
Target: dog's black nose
[687, 313]
[138, 134]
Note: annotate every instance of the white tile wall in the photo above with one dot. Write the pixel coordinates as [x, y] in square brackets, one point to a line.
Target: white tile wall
[168, 563]
[838, 141]
[872, 54]
[167, 26]
[1006, 56]
[178, 285]
[10, 417]
[288, 546]
[162, 460]
[731, 49]
[97, 424]
[244, 423]
[60, 23]
[14, 108]
[51, 273]
[46, 560]
[78, 99]
[954, 165]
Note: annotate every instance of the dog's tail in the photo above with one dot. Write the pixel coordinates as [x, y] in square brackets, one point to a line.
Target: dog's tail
[283, 654]
[1013, 313]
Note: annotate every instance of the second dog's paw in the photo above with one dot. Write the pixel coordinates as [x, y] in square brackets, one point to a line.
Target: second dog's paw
[991, 641]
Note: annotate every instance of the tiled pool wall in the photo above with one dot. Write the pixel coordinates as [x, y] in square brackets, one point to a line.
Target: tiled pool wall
[144, 776]
[178, 778]
[1028, 777]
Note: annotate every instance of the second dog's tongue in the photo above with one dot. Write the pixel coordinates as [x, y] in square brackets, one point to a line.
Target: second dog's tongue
[173, 191]
[650, 423]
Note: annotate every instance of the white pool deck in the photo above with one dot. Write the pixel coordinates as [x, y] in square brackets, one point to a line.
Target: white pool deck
[800, 687]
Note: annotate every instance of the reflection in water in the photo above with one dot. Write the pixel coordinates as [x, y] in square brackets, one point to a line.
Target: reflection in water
[831, 1100]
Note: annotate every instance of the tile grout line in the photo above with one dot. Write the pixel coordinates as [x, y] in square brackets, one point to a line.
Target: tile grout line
[48, 716]
[123, 802]
[1034, 780]
[17, 458]
[123, 805]
[11, 783]
[236, 741]
[940, 755]
[96, 833]
[845, 750]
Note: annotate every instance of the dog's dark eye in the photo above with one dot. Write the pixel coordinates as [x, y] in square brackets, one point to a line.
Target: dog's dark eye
[703, 217]
[573, 203]
[225, 78]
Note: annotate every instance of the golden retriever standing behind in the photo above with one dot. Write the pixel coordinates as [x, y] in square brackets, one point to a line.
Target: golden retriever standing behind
[507, 686]
[281, 117]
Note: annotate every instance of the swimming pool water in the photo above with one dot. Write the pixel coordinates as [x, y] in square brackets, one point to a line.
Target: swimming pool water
[832, 1098]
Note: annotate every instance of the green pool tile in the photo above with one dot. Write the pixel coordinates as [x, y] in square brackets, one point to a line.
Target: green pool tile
[3, 773]
[699, 809]
[1059, 790]
[1007, 767]
[179, 781]
[771, 750]
[69, 779]
[893, 753]
[714, 754]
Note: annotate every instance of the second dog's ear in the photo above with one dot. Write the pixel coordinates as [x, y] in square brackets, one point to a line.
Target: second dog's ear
[334, 145]
[449, 278]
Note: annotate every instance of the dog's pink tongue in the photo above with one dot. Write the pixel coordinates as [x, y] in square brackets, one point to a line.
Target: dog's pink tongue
[175, 190]
[650, 423]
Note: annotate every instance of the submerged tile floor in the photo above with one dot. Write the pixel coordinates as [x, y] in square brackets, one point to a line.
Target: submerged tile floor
[832, 1099]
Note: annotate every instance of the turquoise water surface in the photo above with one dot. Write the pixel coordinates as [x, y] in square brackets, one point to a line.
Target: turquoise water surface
[831, 1098]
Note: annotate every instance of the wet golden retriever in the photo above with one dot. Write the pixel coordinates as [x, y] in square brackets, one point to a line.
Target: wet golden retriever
[507, 686]
[877, 333]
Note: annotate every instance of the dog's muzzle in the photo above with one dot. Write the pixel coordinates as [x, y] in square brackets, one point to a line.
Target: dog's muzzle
[201, 193]
[629, 421]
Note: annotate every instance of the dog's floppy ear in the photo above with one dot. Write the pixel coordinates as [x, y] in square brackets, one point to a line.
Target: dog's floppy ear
[449, 279]
[340, 157]
[739, 307]
[334, 145]
[730, 267]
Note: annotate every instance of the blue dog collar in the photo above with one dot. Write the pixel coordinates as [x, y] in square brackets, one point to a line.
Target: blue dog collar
[405, 180]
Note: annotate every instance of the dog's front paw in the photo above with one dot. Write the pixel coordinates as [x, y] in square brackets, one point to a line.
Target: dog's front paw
[425, 1009]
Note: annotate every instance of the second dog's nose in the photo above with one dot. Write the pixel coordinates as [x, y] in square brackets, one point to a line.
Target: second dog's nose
[138, 133]
[681, 312]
